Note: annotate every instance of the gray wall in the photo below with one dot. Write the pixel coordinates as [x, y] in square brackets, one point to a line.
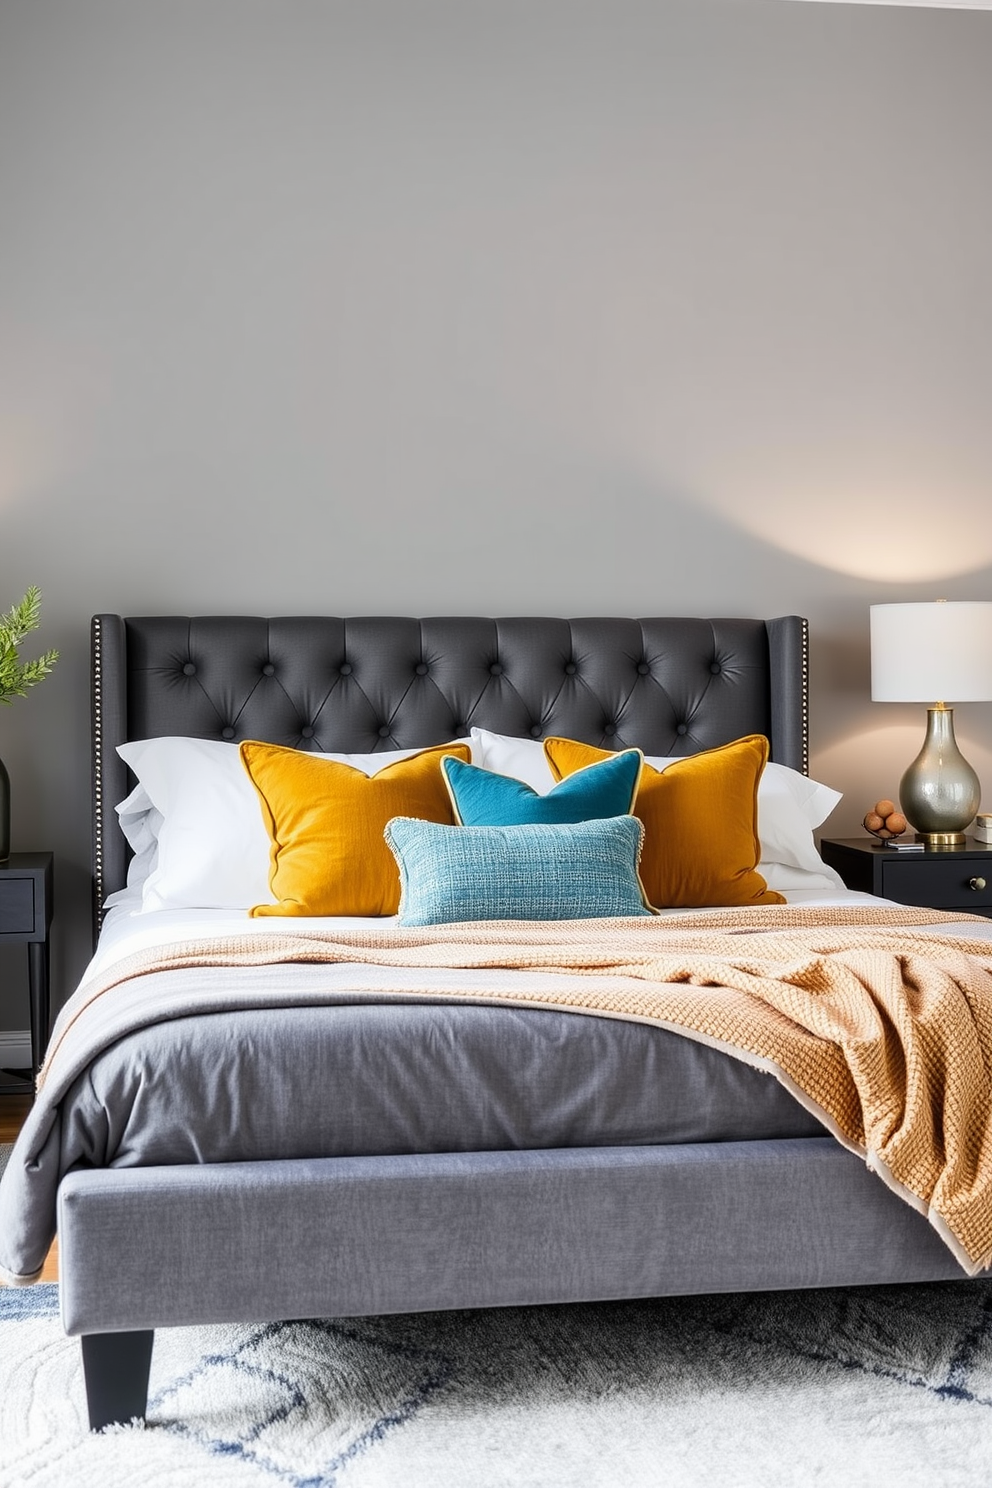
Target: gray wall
[576, 306]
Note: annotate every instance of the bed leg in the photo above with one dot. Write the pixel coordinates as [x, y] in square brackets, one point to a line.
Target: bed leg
[115, 1367]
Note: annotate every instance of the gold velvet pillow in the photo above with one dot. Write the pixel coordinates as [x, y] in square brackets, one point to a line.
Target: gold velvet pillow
[326, 822]
[700, 818]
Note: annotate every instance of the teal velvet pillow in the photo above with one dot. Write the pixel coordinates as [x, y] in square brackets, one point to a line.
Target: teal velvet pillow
[557, 871]
[481, 798]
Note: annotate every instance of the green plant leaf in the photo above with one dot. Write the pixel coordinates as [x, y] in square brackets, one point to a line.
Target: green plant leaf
[15, 625]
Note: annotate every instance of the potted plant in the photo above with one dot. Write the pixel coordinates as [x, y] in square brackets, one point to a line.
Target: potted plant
[16, 677]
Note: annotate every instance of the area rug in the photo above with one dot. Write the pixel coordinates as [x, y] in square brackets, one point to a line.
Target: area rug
[6, 1148]
[888, 1387]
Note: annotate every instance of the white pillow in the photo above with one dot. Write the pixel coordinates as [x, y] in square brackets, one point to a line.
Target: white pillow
[139, 821]
[790, 805]
[202, 840]
[524, 759]
[213, 848]
[141, 824]
[784, 878]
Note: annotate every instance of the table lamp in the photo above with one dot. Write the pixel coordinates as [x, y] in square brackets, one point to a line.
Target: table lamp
[935, 652]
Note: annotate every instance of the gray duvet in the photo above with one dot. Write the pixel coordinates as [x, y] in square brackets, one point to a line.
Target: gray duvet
[241, 1064]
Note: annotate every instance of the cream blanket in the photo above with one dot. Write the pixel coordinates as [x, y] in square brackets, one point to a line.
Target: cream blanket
[882, 1029]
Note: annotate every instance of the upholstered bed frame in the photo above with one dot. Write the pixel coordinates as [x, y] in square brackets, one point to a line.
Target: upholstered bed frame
[422, 1232]
[668, 686]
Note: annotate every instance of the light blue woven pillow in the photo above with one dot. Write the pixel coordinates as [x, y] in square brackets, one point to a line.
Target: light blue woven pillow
[482, 798]
[557, 871]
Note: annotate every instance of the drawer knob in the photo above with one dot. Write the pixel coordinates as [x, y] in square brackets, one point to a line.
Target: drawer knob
[976, 883]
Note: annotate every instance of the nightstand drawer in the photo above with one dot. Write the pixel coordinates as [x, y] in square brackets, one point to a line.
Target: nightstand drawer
[940, 885]
[16, 906]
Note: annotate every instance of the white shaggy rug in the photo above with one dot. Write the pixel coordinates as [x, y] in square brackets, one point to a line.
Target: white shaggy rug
[881, 1388]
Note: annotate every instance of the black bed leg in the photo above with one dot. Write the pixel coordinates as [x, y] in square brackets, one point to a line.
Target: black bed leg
[116, 1366]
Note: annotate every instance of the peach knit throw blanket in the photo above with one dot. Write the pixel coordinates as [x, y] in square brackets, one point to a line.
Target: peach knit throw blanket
[882, 1028]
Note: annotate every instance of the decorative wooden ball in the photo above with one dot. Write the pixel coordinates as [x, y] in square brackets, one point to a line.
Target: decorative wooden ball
[884, 820]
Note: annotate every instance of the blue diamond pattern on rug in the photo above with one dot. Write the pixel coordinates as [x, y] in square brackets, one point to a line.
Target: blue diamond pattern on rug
[883, 1333]
[884, 1387]
[300, 1399]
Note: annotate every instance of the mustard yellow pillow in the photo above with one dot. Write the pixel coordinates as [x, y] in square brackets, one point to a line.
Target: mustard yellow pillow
[700, 818]
[326, 823]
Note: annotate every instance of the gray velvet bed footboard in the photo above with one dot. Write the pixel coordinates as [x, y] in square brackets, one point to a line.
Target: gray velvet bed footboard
[422, 1233]
[451, 1230]
[142, 1248]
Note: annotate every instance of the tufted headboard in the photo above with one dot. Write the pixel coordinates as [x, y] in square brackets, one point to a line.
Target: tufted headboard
[670, 686]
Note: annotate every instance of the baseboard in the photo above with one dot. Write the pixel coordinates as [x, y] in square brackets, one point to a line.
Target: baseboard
[15, 1053]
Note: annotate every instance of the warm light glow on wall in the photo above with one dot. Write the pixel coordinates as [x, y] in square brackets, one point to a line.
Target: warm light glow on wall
[894, 534]
[928, 4]
[886, 495]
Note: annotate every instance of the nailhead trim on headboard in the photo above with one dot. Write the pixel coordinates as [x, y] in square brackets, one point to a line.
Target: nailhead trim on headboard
[97, 747]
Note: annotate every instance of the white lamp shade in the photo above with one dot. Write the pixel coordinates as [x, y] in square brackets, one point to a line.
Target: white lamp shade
[938, 651]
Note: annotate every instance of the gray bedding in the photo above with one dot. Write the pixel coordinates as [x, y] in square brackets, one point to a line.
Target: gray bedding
[372, 1078]
[362, 1074]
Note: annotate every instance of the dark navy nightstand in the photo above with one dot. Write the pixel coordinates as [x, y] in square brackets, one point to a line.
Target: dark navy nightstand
[936, 878]
[26, 915]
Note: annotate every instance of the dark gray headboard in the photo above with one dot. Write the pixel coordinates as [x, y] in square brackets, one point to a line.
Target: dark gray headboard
[670, 686]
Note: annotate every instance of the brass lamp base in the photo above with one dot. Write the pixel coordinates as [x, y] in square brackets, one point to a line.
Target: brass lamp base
[942, 839]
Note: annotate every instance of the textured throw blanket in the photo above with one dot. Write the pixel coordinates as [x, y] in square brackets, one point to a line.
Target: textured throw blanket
[882, 1029]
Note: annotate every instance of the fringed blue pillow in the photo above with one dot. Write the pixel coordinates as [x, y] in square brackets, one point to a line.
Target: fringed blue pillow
[557, 871]
[481, 798]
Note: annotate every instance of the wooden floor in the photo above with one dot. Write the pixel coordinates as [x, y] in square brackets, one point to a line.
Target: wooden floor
[13, 1109]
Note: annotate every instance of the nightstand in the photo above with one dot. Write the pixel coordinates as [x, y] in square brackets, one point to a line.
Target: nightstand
[26, 915]
[936, 878]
